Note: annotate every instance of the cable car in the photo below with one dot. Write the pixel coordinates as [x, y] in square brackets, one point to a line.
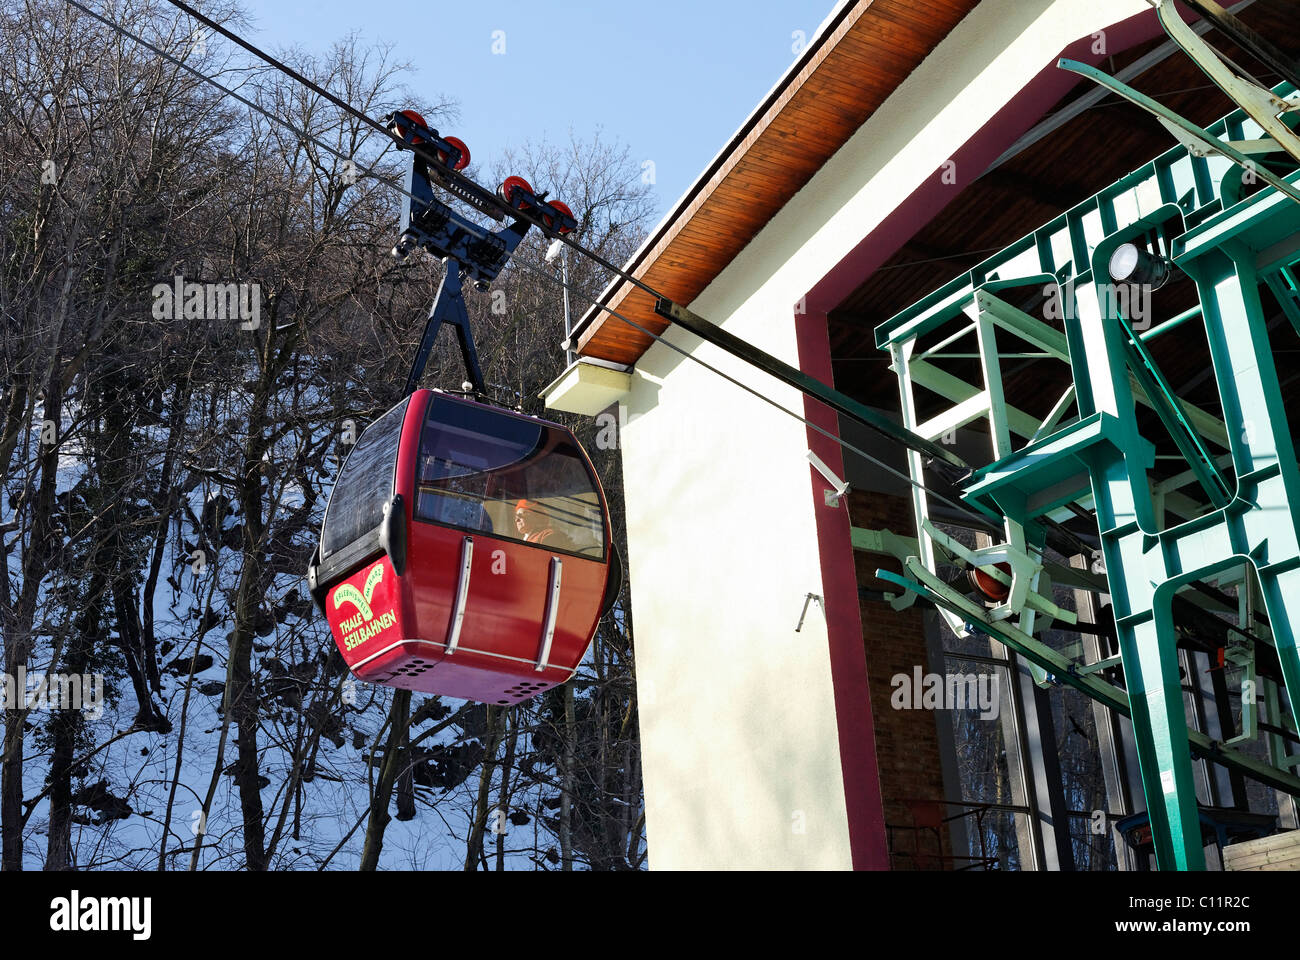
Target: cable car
[466, 551]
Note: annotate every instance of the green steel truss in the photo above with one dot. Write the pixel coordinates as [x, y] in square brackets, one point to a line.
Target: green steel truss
[1189, 206]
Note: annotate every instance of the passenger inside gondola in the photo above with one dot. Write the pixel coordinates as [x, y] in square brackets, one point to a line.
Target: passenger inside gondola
[534, 524]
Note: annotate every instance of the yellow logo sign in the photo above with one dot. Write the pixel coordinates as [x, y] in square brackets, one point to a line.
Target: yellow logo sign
[350, 594]
[360, 628]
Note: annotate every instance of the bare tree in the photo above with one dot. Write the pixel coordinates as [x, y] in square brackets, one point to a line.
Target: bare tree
[165, 467]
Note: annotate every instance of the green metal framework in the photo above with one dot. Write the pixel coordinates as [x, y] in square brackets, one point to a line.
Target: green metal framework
[1189, 205]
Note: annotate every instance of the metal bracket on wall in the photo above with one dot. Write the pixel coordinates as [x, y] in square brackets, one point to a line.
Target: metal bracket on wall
[804, 613]
[839, 488]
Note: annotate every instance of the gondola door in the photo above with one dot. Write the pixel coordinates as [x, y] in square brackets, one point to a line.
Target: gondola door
[511, 505]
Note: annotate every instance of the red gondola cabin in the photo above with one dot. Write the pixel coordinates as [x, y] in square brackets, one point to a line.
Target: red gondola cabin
[466, 551]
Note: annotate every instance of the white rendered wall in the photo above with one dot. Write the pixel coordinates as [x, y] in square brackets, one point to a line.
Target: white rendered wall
[741, 758]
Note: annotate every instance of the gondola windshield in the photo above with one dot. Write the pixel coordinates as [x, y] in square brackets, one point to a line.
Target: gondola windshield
[490, 472]
[365, 484]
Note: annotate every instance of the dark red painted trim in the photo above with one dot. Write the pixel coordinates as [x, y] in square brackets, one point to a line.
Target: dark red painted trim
[862, 793]
[868, 844]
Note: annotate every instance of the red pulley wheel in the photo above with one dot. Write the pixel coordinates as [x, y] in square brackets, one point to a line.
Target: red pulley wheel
[507, 191]
[459, 144]
[561, 208]
[415, 117]
[985, 584]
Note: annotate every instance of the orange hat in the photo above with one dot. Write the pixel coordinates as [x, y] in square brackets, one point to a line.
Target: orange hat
[524, 505]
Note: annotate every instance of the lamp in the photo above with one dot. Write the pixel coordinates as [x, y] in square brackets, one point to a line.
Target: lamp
[1133, 264]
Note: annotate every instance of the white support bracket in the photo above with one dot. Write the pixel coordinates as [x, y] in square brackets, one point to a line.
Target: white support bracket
[840, 488]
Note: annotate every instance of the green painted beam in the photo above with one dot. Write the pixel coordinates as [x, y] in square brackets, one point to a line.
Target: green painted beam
[1169, 409]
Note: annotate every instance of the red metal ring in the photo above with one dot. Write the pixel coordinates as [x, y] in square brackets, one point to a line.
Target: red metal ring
[459, 144]
[992, 589]
[564, 209]
[415, 117]
[508, 188]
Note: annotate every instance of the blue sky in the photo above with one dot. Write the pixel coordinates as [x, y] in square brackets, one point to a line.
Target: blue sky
[672, 79]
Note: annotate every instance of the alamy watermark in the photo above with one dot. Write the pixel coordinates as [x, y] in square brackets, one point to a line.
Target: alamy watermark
[1129, 300]
[78, 914]
[952, 691]
[53, 691]
[182, 300]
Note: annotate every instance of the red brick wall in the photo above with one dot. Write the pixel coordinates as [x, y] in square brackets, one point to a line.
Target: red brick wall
[907, 743]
